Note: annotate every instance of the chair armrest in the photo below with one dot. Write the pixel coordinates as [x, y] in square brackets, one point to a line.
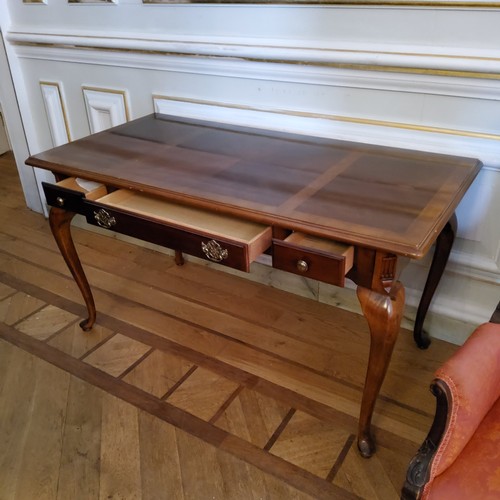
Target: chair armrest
[472, 377]
[465, 387]
[419, 469]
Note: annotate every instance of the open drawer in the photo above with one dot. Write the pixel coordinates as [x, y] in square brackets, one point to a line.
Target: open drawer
[317, 258]
[70, 193]
[217, 237]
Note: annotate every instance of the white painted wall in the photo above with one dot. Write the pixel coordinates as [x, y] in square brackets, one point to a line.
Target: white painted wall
[406, 76]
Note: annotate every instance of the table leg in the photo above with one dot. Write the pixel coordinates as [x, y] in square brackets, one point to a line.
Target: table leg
[60, 224]
[179, 258]
[383, 312]
[442, 251]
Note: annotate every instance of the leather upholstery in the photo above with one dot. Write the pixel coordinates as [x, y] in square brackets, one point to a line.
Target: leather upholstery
[475, 474]
[467, 463]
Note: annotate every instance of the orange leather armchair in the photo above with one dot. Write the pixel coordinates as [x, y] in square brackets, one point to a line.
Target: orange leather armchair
[460, 458]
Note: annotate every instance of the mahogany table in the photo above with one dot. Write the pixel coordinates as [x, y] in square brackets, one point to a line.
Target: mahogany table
[323, 209]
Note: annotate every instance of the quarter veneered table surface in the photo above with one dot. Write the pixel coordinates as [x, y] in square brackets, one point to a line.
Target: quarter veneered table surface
[390, 199]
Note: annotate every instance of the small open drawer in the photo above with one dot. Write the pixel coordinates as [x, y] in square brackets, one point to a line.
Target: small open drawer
[70, 192]
[316, 258]
[217, 237]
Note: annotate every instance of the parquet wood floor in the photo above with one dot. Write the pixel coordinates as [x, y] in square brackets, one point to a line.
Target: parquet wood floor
[195, 384]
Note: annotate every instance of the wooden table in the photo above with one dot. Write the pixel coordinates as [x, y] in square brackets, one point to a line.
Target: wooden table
[322, 208]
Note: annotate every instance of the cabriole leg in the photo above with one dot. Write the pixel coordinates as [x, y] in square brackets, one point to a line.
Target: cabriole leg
[442, 251]
[383, 312]
[60, 224]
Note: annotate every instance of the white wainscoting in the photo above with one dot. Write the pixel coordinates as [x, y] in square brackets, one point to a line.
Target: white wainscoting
[106, 108]
[333, 126]
[56, 116]
[452, 114]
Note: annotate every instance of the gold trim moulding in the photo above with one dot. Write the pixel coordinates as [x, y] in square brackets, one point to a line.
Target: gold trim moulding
[419, 128]
[345, 119]
[353, 66]
[90, 2]
[346, 3]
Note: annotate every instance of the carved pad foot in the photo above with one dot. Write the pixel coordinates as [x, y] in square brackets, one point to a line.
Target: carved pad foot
[86, 325]
[366, 446]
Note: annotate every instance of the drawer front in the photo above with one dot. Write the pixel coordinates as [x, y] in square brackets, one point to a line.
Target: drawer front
[328, 268]
[220, 250]
[61, 197]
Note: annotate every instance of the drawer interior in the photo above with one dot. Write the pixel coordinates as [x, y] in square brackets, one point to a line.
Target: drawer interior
[257, 236]
[92, 190]
[324, 246]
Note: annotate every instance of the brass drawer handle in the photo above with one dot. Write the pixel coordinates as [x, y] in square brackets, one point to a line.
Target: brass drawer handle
[302, 266]
[104, 219]
[214, 251]
[60, 201]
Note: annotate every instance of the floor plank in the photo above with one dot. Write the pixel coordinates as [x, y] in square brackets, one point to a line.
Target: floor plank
[80, 467]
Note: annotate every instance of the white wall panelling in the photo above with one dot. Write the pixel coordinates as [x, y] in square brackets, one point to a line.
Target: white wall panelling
[52, 99]
[385, 109]
[404, 135]
[105, 108]
[418, 77]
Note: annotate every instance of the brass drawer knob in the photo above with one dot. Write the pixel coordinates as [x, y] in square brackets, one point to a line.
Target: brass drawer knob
[302, 266]
[213, 251]
[104, 219]
[60, 201]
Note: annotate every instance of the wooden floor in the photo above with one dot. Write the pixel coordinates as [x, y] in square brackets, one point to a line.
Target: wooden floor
[195, 384]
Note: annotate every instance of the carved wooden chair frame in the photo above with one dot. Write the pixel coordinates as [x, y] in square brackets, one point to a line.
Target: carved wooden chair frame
[419, 469]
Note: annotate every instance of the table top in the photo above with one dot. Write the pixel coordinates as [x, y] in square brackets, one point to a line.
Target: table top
[385, 198]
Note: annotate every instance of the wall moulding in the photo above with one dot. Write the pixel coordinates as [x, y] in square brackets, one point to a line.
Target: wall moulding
[424, 83]
[418, 60]
[345, 128]
[105, 108]
[360, 3]
[375, 129]
[56, 113]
